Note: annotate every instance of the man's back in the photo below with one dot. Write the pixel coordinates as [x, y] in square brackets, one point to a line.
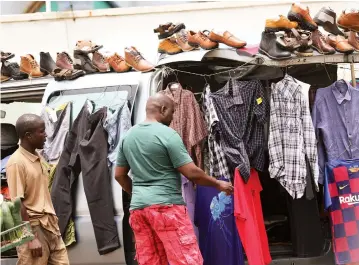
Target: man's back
[153, 151]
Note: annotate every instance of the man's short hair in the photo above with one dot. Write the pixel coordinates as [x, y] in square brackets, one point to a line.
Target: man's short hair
[27, 123]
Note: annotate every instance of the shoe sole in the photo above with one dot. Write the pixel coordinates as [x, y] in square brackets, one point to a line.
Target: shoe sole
[321, 52]
[345, 52]
[273, 30]
[303, 54]
[173, 31]
[169, 53]
[301, 22]
[4, 78]
[149, 70]
[29, 75]
[271, 57]
[326, 26]
[197, 46]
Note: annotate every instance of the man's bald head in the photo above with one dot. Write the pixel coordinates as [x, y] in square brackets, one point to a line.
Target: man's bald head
[31, 129]
[161, 108]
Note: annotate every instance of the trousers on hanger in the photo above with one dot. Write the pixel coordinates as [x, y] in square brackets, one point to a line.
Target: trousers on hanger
[86, 151]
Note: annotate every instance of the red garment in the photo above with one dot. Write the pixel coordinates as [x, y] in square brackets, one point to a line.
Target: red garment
[5, 192]
[249, 218]
[164, 235]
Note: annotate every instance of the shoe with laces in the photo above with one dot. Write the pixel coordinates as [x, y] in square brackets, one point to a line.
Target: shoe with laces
[29, 65]
[136, 60]
[12, 70]
[200, 39]
[64, 61]
[100, 62]
[182, 41]
[302, 16]
[118, 63]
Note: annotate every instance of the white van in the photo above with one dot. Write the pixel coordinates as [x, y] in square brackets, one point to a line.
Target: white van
[137, 87]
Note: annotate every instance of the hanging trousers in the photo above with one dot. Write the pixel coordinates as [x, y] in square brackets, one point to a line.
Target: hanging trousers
[306, 231]
[86, 151]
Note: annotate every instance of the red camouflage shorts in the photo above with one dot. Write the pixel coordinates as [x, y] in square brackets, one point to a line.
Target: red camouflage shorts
[164, 235]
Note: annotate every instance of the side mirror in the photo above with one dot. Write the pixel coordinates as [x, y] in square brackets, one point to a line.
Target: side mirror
[3, 114]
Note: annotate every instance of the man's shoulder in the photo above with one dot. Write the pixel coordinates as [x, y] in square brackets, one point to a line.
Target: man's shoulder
[15, 158]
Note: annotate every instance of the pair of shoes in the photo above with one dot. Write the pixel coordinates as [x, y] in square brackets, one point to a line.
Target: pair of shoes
[83, 61]
[11, 70]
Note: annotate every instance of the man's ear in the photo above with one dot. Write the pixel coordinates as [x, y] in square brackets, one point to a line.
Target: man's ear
[28, 135]
[163, 109]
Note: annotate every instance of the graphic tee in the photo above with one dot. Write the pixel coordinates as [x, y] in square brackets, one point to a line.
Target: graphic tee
[219, 241]
[341, 191]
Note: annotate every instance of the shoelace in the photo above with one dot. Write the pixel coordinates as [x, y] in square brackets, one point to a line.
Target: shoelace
[68, 58]
[117, 59]
[182, 37]
[137, 55]
[33, 63]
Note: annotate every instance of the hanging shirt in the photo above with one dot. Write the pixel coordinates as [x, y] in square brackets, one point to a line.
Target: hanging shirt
[341, 192]
[242, 108]
[116, 125]
[56, 128]
[217, 159]
[291, 137]
[336, 123]
[188, 121]
[219, 241]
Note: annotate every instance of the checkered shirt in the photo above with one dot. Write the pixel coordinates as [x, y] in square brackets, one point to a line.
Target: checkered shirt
[291, 137]
[343, 186]
[241, 108]
[217, 160]
[188, 121]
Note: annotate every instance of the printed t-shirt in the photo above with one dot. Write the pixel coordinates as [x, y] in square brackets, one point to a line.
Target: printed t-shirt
[153, 151]
[341, 191]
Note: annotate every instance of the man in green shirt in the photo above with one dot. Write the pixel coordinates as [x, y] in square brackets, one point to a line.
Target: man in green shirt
[157, 157]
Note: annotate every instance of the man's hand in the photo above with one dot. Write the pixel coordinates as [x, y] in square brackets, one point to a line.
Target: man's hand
[225, 187]
[35, 248]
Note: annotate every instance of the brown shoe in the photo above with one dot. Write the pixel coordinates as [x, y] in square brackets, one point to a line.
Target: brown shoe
[302, 16]
[182, 41]
[279, 24]
[201, 40]
[100, 62]
[320, 44]
[340, 44]
[228, 39]
[118, 63]
[169, 46]
[29, 66]
[135, 59]
[83, 62]
[349, 20]
[87, 46]
[64, 61]
[168, 29]
[353, 40]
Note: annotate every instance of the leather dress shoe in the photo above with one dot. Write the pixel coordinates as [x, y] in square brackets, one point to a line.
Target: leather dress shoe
[353, 40]
[320, 44]
[268, 46]
[349, 20]
[327, 18]
[340, 44]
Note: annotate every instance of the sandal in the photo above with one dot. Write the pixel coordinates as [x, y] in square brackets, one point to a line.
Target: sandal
[168, 29]
[67, 74]
[294, 39]
[86, 46]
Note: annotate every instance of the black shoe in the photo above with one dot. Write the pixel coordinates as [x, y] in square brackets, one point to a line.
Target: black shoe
[83, 62]
[12, 70]
[327, 18]
[6, 56]
[269, 47]
[47, 64]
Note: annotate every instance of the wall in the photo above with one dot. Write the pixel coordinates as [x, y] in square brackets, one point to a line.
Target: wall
[118, 28]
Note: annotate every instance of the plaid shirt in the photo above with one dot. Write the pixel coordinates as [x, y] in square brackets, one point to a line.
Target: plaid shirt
[188, 122]
[291, 137]
[242, 108]
[217, 160]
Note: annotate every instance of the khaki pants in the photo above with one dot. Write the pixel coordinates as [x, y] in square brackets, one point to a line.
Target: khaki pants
[53, 250]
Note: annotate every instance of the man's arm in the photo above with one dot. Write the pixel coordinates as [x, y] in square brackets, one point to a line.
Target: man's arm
[198, 176]
[184, 164]
[121, 176]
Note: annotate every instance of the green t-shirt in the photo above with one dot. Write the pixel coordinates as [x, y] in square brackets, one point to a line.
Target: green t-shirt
[153, 151]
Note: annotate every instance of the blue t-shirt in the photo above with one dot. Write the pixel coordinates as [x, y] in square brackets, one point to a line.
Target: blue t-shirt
[219, 241]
